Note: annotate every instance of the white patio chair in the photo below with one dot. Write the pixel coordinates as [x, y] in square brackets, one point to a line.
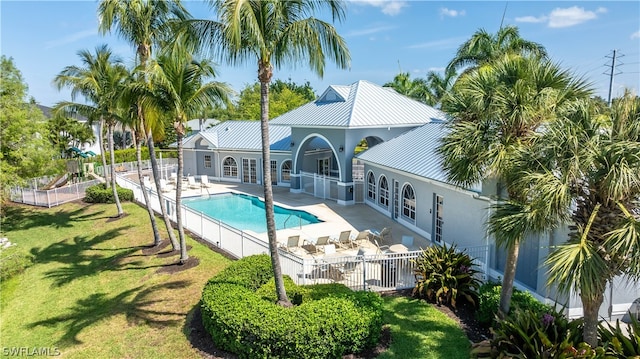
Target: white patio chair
[191, 182]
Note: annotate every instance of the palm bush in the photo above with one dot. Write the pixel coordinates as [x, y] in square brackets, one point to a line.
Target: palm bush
[443, 274]
[489, 299]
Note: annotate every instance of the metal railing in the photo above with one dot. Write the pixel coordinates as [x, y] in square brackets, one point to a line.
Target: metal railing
[375, 272]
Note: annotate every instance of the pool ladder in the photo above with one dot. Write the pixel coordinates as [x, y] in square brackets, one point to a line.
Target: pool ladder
[299, 222]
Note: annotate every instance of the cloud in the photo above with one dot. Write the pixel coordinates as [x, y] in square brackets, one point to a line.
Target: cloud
[564, 17]
[389, 7]
[532, 19]
[635, 35]
[71, 38]
[437, 69]
[450, 12]
[439, 44]
[369, 31]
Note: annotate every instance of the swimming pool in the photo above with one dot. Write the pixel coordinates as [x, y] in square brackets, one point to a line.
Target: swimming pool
[247, 212]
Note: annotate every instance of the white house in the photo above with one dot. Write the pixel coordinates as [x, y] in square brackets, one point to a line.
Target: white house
[399, 175]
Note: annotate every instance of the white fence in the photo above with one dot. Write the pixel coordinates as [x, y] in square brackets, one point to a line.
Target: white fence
[377, 272]
[52, 197]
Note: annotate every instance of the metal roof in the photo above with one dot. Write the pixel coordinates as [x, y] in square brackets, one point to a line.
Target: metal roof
[412, 152]
[361, 104]
[243, 135]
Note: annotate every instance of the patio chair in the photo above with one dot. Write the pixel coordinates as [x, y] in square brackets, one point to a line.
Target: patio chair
[381, 248]
[204, 181]
[173, 177]
[146, 182]
[362, 236]
[345, 242]
[293, 243]
[383, 236]
[191, 182]
[164, 186]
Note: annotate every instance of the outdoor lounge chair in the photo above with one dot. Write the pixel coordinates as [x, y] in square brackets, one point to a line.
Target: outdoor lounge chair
[146, 182]
[345, 242]
[362, 236]
[384, 236]
[164, 186]
[293, 243]
[173, 177]
[191, 182]
[204, 181]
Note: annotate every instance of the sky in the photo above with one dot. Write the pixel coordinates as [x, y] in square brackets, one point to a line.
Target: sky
[384, 37]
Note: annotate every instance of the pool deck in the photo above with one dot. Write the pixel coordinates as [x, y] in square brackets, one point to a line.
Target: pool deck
[336, 218]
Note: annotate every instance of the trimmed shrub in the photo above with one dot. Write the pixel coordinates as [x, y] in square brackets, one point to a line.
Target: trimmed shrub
[13, 262]
[443, 274]
[100, 194]
[489, 301]
[242, 317]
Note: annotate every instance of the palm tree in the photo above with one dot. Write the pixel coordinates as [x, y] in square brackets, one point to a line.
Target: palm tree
[273, 33]
[178, 86]
[439, 85]
[132, 118]
[497, 111]
[592, 162]
[100, 82]
[483, 48]
[144, 23]
[417, 89]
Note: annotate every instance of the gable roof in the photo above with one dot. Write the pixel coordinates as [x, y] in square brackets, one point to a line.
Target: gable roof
[412, 152]
[242, 135]
[360, 105]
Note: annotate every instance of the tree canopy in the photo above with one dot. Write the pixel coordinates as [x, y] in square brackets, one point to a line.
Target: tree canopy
[25, 151]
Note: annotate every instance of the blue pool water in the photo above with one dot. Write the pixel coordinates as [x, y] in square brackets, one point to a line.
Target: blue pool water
[246, 212]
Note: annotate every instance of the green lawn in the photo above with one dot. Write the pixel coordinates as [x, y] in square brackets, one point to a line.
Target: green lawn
[91, 292]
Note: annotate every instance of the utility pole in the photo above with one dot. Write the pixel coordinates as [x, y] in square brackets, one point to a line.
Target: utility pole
[612, 74]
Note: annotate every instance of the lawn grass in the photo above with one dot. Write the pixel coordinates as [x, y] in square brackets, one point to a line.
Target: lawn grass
[91, 293]
[418, 330]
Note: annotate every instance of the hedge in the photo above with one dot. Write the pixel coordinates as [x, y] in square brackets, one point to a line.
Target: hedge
[239, 312]
[99, 194]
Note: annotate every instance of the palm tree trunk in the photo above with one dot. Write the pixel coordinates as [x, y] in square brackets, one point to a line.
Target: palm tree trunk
[590, 307]
[112, 157]
[507, 281]
[283, 300]
[183, 244]
[103, 154]
[156, 176]
[154, 225]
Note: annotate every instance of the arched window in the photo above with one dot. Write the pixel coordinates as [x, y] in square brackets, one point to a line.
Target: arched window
[383, 197]
[229, 167]
[286, 171]
[371, 186]
[408, 202]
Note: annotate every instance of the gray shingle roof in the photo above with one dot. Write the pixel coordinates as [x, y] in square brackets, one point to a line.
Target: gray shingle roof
[413, 152]
[243, 135]
[361, 104]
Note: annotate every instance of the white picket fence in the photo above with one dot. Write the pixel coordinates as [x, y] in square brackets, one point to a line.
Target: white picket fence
[377, 272]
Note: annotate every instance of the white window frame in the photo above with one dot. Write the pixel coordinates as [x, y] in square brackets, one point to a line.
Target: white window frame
[409, 204]
[383, 191]
[229, 170]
